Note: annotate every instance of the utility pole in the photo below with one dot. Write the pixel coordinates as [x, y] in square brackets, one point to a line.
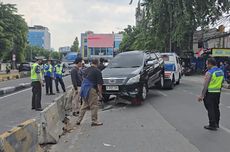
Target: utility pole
[170, 26]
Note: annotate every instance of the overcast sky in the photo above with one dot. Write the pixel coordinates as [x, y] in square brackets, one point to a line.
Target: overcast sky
[66, 19]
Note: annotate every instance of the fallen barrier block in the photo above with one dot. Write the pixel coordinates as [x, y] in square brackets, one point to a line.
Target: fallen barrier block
[51, 126]
[23, 138]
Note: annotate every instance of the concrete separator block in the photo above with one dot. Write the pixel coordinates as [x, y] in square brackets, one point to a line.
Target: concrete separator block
[23, 138]
[60, 101]
[68, 100]
[51, 126]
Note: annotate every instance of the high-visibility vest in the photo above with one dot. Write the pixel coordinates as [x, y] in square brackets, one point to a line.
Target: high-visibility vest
[59, 69]
[49, 70]
[217, 77]
[34, 75]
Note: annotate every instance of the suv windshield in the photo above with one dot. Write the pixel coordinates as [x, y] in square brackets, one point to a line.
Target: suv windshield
[127, 61]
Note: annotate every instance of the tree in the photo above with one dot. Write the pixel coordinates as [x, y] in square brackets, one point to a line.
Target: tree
[171, 23]
[75, 46]
[33, 51]
[55, 55]
[13, 33]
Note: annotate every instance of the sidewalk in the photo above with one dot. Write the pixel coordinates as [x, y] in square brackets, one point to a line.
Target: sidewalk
[131, 129]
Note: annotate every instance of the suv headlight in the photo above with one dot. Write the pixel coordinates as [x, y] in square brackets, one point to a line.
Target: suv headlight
[134, 79]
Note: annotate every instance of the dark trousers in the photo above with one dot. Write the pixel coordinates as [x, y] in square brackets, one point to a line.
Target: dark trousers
[211, 103]
[49, 85]
[37, 94]
[57, 81]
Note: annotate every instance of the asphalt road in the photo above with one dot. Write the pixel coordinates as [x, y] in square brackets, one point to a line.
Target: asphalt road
[181, 109]
[15, 82]
[136, 128]
[16, 108]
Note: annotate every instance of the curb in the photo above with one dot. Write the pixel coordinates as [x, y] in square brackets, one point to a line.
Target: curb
[8, 90]
[21, 86]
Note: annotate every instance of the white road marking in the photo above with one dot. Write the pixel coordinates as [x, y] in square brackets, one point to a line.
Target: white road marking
[225, 129]
[228, 107]
[163, 94]
[12, 94]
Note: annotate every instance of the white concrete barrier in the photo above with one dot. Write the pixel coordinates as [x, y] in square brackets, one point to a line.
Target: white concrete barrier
[23, 138]
[52, 119]
[51, 126]
[68, 100]
[60, 101]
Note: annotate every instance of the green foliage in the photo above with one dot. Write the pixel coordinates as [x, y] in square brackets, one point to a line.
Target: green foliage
[13, 33]
[33, 51]
[55, 55]
[171, 20]
[75, 46]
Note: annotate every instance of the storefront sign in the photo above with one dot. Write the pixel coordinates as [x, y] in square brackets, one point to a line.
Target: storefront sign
[221, 52]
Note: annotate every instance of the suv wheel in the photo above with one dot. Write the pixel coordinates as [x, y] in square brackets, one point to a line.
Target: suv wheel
[142, 95]
[160, 84]
[178, 82]
[143, 92]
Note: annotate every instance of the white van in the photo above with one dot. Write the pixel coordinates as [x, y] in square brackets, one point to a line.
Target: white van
[173, 69]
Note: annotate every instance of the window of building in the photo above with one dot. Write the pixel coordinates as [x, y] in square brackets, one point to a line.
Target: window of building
[85, 51]
[91, 51]
[103, 51]
[97, 51]
[110, 51]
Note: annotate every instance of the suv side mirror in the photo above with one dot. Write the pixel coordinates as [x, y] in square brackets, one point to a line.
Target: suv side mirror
[151, 62]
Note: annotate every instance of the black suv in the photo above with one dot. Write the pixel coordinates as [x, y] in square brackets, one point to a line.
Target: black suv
[130, 75]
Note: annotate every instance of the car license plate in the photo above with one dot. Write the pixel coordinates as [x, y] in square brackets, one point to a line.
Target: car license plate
[112, 88]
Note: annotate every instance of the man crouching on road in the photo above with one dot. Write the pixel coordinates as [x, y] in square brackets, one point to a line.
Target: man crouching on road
[211, 93]
[91, 88]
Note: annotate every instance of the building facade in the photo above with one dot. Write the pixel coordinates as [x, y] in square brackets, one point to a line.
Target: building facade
[65, 49]
[210, 38]
[99, 45]
[39, 36]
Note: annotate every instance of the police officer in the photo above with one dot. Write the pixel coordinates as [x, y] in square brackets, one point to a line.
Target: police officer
[48, 74]
[211, 93]
[58, 72]
[37, 83]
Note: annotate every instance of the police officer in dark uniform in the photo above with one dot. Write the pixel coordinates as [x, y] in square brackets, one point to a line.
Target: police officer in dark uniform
[37, 83]
[214, 78]
[49, 76]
